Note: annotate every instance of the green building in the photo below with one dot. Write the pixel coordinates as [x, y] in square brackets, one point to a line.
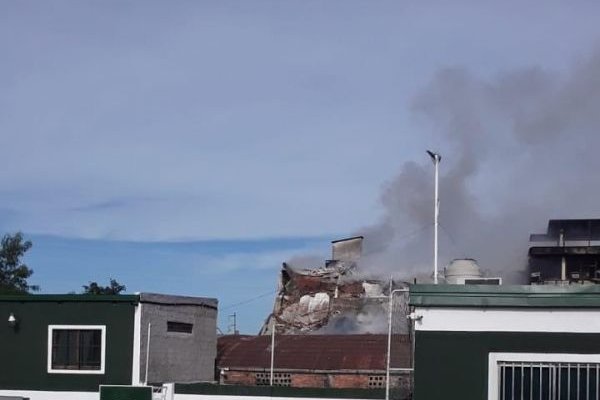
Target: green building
[477, 342]
[66, 346]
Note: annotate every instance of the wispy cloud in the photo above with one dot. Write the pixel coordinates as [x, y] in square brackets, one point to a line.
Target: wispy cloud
[256, 120]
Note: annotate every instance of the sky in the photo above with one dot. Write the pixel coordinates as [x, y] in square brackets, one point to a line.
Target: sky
[190, 147]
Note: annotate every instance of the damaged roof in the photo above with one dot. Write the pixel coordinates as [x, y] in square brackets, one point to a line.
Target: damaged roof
[313, 352]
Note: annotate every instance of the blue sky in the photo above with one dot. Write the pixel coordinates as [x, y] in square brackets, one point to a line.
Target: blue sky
[192, 146]
[233, 271]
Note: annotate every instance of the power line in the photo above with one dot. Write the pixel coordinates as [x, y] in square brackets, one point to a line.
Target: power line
[250, 300]
[410, 235]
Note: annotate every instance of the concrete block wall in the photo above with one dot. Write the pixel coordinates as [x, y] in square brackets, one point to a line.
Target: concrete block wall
[176, 356]
[332, 379]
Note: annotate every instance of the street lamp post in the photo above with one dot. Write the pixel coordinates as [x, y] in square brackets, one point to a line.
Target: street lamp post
[436, 158]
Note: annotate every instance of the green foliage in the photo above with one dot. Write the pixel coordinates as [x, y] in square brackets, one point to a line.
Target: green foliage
[13, 273]
[114, 288]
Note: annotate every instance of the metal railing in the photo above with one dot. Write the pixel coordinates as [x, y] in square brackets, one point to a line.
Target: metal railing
[549, 381]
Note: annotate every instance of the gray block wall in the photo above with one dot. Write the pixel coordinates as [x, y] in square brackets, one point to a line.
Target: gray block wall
[175, 356]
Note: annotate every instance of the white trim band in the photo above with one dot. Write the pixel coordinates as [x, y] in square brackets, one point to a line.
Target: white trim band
[507, 320]
[50, 395]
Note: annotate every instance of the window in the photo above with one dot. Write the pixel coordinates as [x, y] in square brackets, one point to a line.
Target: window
[544, 376]
[76, 349]
[180, 327]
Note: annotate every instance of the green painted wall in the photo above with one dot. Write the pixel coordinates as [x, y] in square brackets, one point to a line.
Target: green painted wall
[125, 393]
[454, 365]
[23, 352]
[281, 391]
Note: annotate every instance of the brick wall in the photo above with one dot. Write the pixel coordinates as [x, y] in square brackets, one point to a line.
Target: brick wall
[320, 380]
[239, 378]
[309, 380]
[349, 381]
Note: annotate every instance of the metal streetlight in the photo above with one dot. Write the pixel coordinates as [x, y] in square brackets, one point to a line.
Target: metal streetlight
[436, 158]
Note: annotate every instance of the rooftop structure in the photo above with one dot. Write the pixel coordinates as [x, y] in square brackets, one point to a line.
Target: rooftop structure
[53, 345]
[569, 252]
[349, 249]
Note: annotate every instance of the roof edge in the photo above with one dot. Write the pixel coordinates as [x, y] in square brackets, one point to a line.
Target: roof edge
[70, 298]
[586, 296]
[173, 300]
[347, 239]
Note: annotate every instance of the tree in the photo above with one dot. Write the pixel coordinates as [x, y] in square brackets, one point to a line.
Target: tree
[114, 288]
[13, 272]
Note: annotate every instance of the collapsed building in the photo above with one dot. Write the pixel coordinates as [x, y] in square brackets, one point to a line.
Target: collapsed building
[333, 298]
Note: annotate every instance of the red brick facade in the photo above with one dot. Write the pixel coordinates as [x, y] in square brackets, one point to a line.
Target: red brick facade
[321, 379]
[317, 361]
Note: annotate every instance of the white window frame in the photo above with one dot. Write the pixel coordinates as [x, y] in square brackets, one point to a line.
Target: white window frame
[102, 328]
[495, 358]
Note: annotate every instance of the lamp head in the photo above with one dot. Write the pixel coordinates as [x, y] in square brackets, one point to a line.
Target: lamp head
[12, 320]
[435, 157]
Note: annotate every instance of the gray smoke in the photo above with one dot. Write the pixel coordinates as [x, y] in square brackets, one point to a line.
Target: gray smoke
[373, 321]
[518, 149]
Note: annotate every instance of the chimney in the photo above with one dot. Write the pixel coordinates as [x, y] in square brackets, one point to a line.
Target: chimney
[349, 249]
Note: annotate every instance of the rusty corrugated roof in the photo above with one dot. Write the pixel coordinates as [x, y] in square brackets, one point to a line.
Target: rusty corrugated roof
[313, 352]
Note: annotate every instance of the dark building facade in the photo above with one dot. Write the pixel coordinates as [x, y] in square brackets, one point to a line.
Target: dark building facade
[66, 346]
[569, 252]
[478, 342]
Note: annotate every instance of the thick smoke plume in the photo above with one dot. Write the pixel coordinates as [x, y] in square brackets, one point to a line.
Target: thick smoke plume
[518, 149]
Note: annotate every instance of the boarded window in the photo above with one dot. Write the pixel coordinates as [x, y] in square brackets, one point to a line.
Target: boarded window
[76, 349]
[181, 327]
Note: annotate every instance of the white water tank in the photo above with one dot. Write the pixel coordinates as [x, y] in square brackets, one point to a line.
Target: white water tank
[461, 269]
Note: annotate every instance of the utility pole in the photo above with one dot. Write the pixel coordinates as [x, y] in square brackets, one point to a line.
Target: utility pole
[232, 327]
[272, 352]
[436, 158]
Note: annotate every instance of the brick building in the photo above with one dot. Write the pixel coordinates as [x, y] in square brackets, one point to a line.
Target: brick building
[333, 361]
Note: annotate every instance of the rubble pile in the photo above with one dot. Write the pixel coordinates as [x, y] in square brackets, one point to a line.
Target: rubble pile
[330, 299]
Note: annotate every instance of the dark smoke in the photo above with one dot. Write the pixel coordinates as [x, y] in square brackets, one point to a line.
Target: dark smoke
[517, 150]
